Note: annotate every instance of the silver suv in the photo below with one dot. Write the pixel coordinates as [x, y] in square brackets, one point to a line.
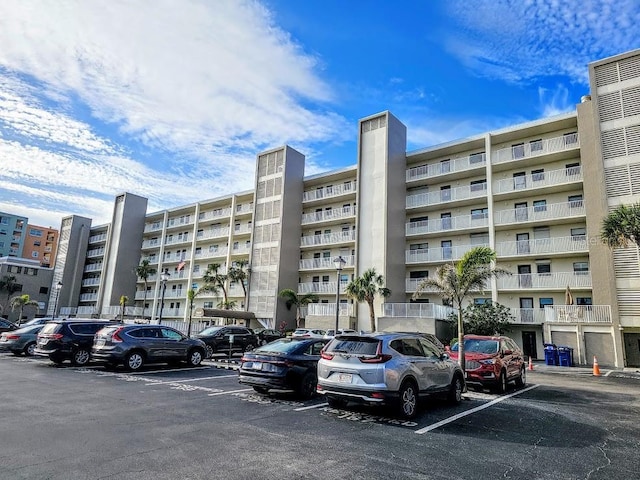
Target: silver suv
[387, 369]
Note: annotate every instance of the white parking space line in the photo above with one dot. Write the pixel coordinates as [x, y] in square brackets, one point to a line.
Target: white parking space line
[195, 379]
[473, 410]
[170, 371]
[310, 407]
[231, 391]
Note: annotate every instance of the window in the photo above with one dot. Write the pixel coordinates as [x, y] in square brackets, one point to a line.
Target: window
[34, 254]
[575, 201]
[570, 138]
[544, 268]
[481, 301]
[419, 246]
[581, 268]
[544, 301]
[535, 145]
[445, 193]
[537, 175]
[479, 213]
[418, 219]
[445, 220]
[447, 250]
[329, 189]
[34, 232]
[37, 243]
[584, 301]
[478, 185]
[445, 166]
[578, 233]
[44, 290]
[572, 169]
[479, 239]
[419, 274]
[517, 150]
[519, 180]
[476, 158]
[14, 269]
[539, 205]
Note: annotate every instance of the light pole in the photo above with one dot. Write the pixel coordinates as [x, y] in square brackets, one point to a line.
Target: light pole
[192, 295]
[338, 262]
[55, 306]
[164, 276]
[246, 293]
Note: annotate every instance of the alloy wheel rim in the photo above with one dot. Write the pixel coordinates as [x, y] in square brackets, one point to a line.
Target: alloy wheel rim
[196, 358]
[409, 401]
[135, 361]
[31, 349]
[82, 357]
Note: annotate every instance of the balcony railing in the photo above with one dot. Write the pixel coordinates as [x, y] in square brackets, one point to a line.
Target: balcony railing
[411, 286]
[545, 281]
[543, 246]
[98, 252]
[88, 297]
[439, 254]
[151, 243]
[219, 252]
[243, 229]
[153, 227]
[180, 222]
[324, 263]
[244, 208]
[93, 267]
[329, 309]
[217, 233]
[446, 196]
[539, 180]
[443, 168]
[328, 215]
[174, 240]
[98, 238]
[176, 257]
[445, 224]
[241, 250]
[215, 214]
[324, 287]
[537, 148]
[578, 313]
[416, 310]
[328, 238]
[90, 282]
[540, 213]
[528, 315]
[329, 192]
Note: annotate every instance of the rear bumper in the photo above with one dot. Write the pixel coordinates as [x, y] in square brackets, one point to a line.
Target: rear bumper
[370, 397]
[110, 357]
[278, 383]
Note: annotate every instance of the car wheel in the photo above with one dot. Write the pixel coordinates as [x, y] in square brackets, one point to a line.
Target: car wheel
[134, 361]
[455, 390]
[262, 390]
[209, 351]
[307, 387]
[501, 386]
[57, 359]
[336, 402]
[521, 381]
[195, 357]
[408, 407]
[80, 357]
[29, 349]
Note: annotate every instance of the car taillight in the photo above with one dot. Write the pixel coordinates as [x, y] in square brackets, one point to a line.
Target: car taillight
[11, 337]
[115, 337]
[52, 336]
[326, 356]
[380, 358]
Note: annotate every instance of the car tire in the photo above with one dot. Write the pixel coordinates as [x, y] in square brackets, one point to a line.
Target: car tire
[80, 357]
[307, 388]
[521, 380]
[455, 390]
[209, 351]
[501, 386]
[408, 400]
[261, 390]
[195, 357]
[29, 349]
[134, 361]
[57, 359]
[336, 402]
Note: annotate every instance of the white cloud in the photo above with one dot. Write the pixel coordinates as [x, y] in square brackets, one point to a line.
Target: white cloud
[555, 102]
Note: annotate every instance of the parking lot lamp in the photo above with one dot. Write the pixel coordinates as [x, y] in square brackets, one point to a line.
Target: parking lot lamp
[192, 294]
[338, 263]
[164, 276]
[55, 305]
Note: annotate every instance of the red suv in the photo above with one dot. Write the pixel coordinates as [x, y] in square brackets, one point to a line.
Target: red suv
[492, 362]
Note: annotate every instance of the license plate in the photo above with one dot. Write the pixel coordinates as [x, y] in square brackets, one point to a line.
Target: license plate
[344, 377]
[257, 365]
[42, 341]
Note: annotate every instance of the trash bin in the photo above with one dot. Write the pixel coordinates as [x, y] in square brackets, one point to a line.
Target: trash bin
[550, 354]
[565, 356]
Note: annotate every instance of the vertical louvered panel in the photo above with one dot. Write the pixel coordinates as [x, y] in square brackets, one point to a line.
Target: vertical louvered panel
[610, 106]
[606, 74]
[613, 143]
[626, 262]
[633, 140]
[634, 172]
[629, 302]
[617, 181]
[631, 101]
[630, 68]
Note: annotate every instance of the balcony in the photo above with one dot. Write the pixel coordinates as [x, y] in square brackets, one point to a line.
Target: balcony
[241, 250]
[180, 221]
[416, 310]
[321, 288]
[98, 238]
[462, 222]
[328, 215]
[176, 240]
[329, 192]
[328, 239]
[545, 281]
[439, 254]
[543, 246]
[90, 282]
[84, 312]
[244, 209]
[93, 267]
[446, 167]
[411, 286]
[542, 180]
[88, 297]
[98, 252]
[324, 263]
[536, 149]
[578, 314]
[153, 243]
[329, 310]
[557, 212]
[216, 233]
[176, 257]
[242, 230]
[215, 214]
[219, 252]
[153, 227]
[527, 315]
[447, 196]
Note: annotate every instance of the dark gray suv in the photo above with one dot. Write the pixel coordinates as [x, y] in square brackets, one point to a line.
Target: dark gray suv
[135, 345]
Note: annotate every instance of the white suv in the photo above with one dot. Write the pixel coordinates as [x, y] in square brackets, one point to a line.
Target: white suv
[387, 369]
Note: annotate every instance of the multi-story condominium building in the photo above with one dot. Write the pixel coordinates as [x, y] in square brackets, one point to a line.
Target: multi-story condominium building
[535, 193]
[12, 234]
[28, 278]
[41, 243]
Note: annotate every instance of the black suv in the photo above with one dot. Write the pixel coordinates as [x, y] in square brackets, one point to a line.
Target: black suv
[69, 339]
[226, 339]
[135, 345]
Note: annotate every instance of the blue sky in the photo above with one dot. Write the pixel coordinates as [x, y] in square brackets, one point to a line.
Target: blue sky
[172, 100]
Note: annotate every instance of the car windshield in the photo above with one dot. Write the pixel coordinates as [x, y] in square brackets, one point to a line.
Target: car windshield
[210, 331]
[354, 345]
[478, 345]
[301, 331]
[284, 345]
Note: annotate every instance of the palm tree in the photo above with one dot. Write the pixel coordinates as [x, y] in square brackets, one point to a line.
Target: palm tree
[455, 282]
[21, 301]
[123, 302]
[292, 298]
[365, 288]
[239, 272]
[622, 226]
[8, 285]
[215, 282]
[143, 272]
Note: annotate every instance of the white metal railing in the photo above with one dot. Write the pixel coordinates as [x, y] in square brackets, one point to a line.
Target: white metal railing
[321, 287]
[324, 263]
[170, 312]
[151, 243]
[439, 254]
[153, 227]
[115, 311]
[446, 196]
[180, 221]
[96, 252]
[539, 180]
[88, 297]
[542, 246]
[84, 311]
[244, 208]
[527, 315]
[560, 280]
[90, 282]
[98, 238]
[329, 309]
[141, 296]
[326, 215]
[241, 249]
[93, 267]
[242, 229]
[177, 239]
[216, 233]
[540, 212]
[578, 313]
[416, 310]
[445, 167]
[177, 257]
[537, 148]
[328, 238]
[70, 311]
[329, 192]
[214, 214]
[219, 252]
[445, 224]
[411, 285]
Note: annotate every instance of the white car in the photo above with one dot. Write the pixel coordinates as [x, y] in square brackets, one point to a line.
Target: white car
[341, 331]
[308, 333]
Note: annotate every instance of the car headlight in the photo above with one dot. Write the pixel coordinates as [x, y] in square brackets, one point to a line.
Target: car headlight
[489, 361]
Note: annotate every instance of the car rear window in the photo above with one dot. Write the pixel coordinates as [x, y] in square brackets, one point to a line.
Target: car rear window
[85, 328]
[284, 345]
[479, 346]
[354, 345]
[51, 328]
[210, 331]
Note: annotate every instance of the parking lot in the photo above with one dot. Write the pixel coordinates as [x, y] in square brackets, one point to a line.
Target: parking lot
[67, 422]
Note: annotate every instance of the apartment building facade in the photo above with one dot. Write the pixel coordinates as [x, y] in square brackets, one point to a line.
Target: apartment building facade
[29, 278]
[41, 244]
[535, 193]
[12, 234]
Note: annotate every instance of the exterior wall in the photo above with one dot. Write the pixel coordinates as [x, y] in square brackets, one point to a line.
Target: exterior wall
[34, 280]
[12, 234]
[41, 243]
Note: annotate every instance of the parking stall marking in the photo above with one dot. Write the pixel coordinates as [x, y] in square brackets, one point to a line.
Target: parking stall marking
[229, 392]
[473, 410]
[195, 379]
[310, 407]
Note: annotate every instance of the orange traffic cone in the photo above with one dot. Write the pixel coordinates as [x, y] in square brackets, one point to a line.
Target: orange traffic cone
[596, 367]
[530, 363]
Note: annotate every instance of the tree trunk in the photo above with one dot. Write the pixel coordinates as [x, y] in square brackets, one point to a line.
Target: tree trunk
[144, 300]
[372, 316]
[460, 339]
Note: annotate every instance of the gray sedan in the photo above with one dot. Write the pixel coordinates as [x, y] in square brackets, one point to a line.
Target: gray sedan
[22, 340]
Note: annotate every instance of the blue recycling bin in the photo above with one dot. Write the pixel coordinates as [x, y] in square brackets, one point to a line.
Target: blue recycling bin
[551, 354]
[565, 356]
